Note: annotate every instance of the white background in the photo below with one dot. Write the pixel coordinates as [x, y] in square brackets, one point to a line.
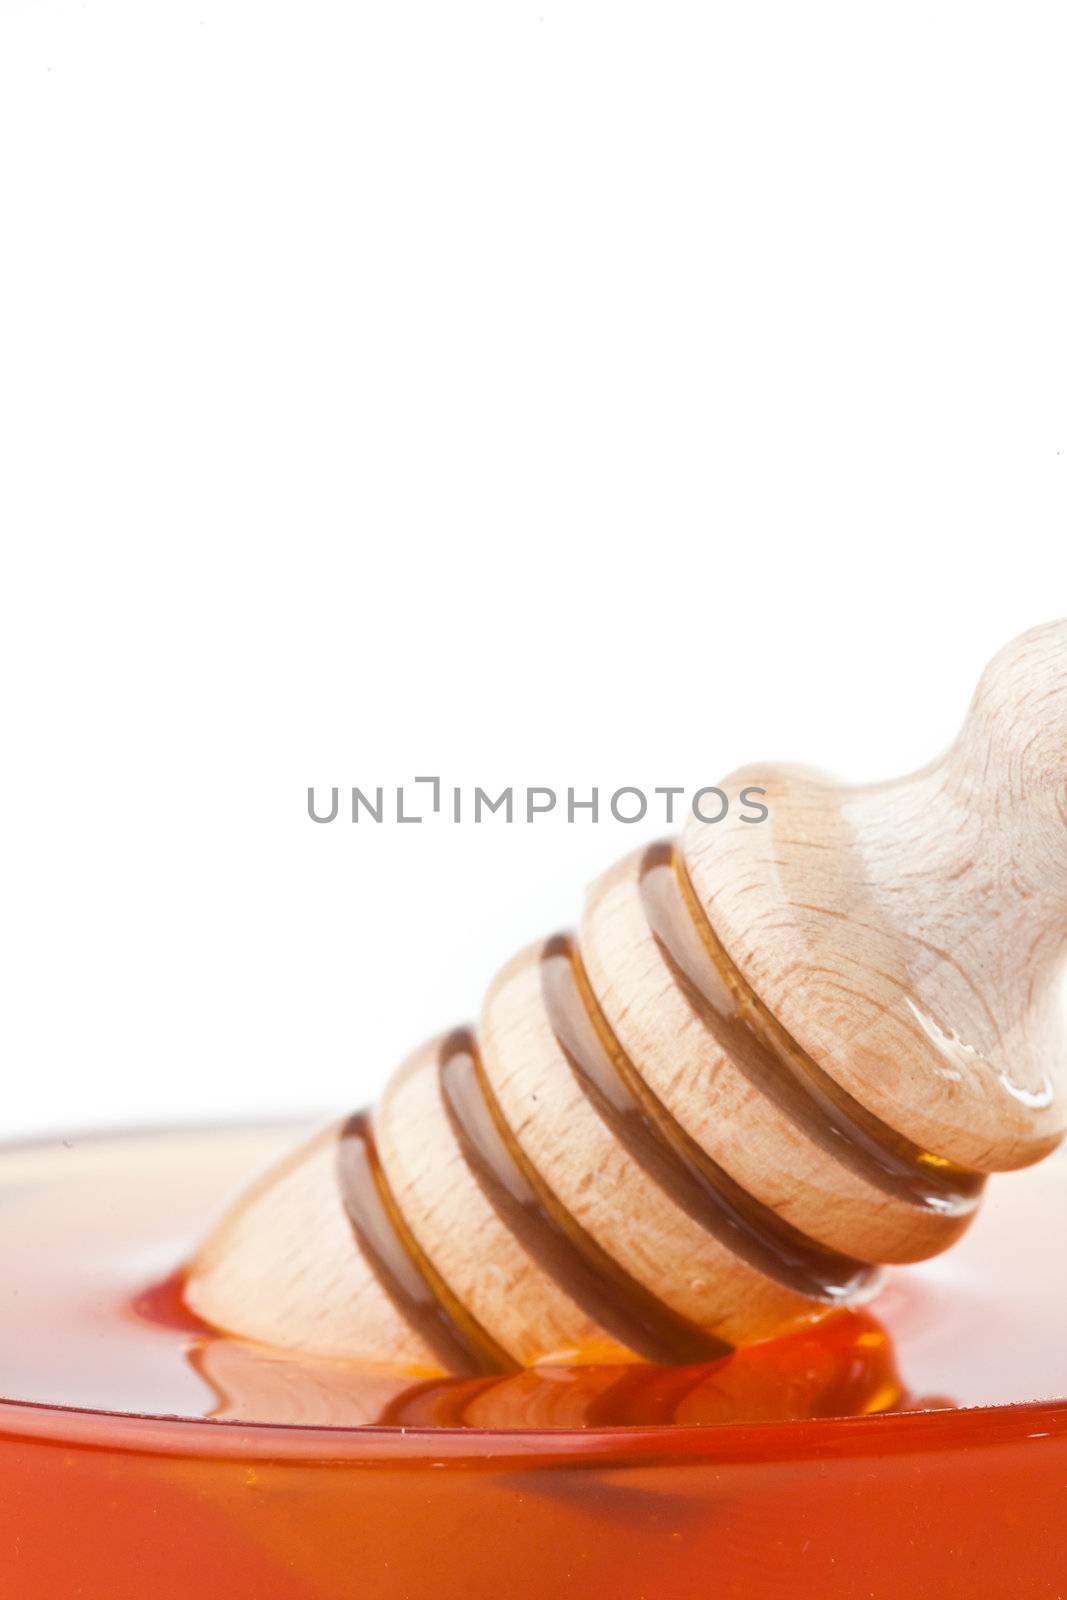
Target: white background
[554, 394]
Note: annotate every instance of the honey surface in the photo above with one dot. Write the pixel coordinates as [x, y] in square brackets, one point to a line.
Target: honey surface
[91, 1316]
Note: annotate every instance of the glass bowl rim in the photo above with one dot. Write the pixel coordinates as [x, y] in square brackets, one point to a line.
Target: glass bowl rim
[721, 1443]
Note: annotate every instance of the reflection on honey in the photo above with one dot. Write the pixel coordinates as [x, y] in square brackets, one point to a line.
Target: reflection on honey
[841, 1367]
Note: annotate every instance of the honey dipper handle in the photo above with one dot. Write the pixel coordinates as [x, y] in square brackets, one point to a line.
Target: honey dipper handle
[909, 936]
[1010, 763]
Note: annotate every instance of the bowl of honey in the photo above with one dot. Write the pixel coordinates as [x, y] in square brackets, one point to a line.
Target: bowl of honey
[914, 1447]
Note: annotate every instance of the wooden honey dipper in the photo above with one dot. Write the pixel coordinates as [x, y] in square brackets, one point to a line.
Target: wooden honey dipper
[773, 1057]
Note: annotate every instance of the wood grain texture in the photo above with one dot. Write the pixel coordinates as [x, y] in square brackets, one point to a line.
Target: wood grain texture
[677, 1019]
[908, 936]
[775, 1056]
[284, 1269]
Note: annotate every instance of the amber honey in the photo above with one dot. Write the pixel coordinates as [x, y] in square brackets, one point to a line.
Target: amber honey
[917, 1447]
